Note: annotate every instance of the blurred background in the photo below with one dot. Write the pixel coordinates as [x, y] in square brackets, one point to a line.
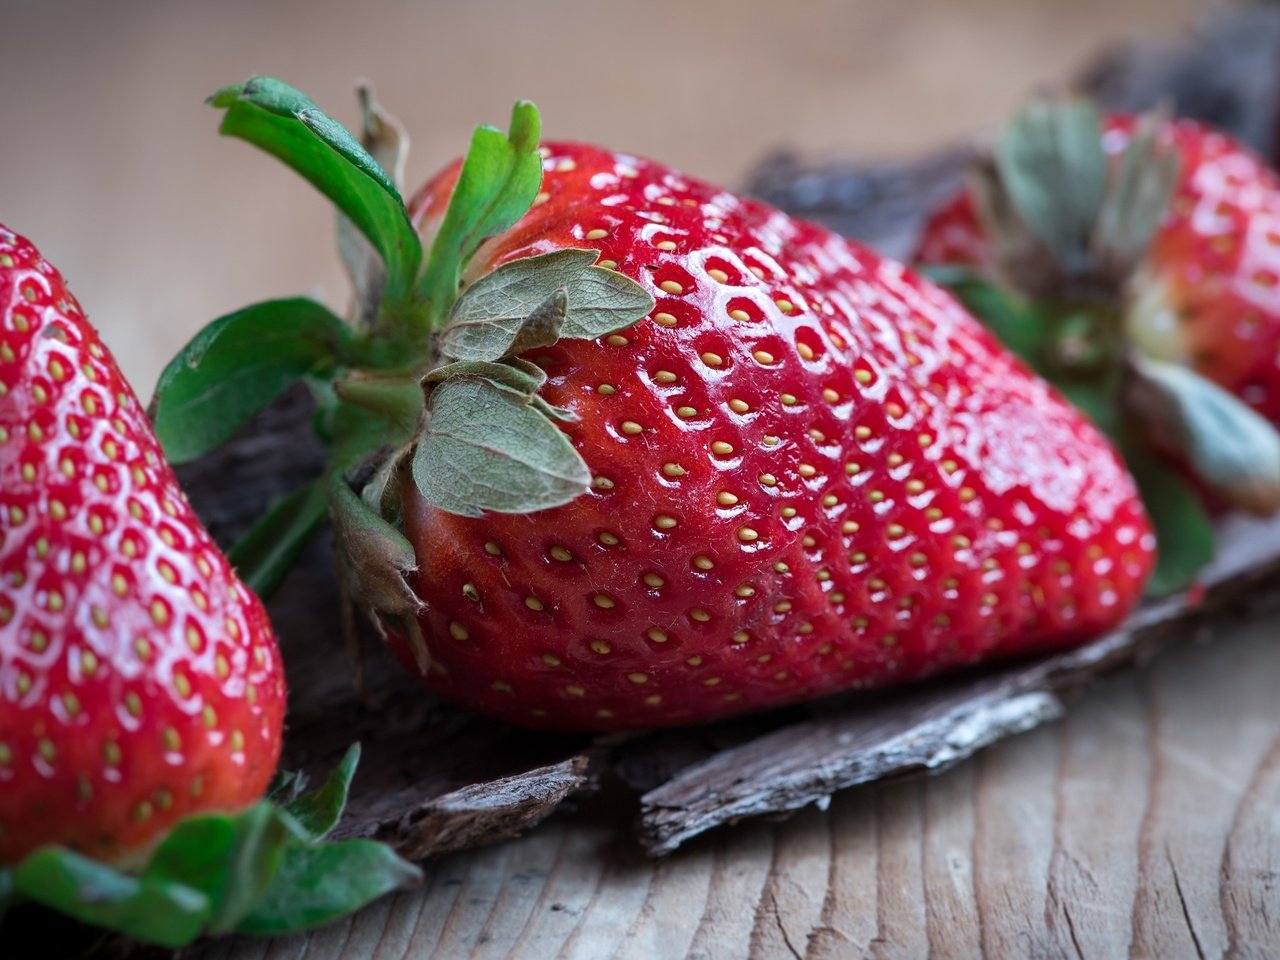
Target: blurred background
[112, 166]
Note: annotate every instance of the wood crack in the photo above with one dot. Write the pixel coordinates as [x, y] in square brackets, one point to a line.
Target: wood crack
[1182, 903]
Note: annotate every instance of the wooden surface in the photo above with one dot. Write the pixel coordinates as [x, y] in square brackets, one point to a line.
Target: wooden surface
[1145, 824]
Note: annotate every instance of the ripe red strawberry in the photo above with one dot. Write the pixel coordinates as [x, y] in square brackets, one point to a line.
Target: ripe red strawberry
[1208, 290]
[803, 470]
[812, 471]
[139, 679]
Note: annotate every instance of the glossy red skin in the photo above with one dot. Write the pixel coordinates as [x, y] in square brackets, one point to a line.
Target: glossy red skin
[139, 678]
[1054, 546]
[1216, 253]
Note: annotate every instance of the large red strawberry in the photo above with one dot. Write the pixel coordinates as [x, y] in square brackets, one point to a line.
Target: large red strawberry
[1136, 263]
[804, 470]
[142, 694]
[140, 679]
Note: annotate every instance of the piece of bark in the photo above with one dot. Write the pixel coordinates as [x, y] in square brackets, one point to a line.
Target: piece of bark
[484, 812]
[882, 204]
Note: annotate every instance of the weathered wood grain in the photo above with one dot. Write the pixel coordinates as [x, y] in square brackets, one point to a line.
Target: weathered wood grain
[1146, 823]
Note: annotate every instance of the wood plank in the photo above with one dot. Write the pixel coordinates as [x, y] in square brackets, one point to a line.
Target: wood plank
[1152, 811]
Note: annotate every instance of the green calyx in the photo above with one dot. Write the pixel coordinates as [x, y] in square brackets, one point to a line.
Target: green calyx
[426, 371]
[266, 870]
[1070, 229]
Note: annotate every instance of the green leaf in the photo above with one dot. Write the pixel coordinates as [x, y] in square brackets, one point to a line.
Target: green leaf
[319, 883]
[286, 786]
[492, 311]
[236, 366]
[563, 414]
[259, 870]
[1231, 448]
[264, 556]
[279, 119]
[1137, 197]
[518, 376]
[230, 859]
[492, 338]
[1053, 168]
[1096, 399]
[319, 811]
[377, 558]
[152, 909]
[499, 180]
[1184, 535]
[486, 448]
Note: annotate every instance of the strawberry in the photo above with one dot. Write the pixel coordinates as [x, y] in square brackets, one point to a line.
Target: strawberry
[1135, 262]
[142, 693]
[141, 679]
[681, 455]
[1207, 293]
[811, 471]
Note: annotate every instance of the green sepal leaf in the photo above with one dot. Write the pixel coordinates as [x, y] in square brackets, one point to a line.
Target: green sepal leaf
[231, 860]
[562, 414]
[1184, 534]
[286, 786]
[1137, 197]
[522, 378]
[1229, 447]
[281, 120]
[317, 883]
[319, 811]
[600, 301]
[491, 338]
[1096, 399]
[236, 366]
[499, 180]
[153, 909]
[1052, 166]
[254, 871]
[264, 556]
[487, 448]
[381, 555]
[388, 143]
[375, 562]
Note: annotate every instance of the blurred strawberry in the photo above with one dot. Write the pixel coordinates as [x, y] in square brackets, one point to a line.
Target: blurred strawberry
[1135, 262]
[1207, 292]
